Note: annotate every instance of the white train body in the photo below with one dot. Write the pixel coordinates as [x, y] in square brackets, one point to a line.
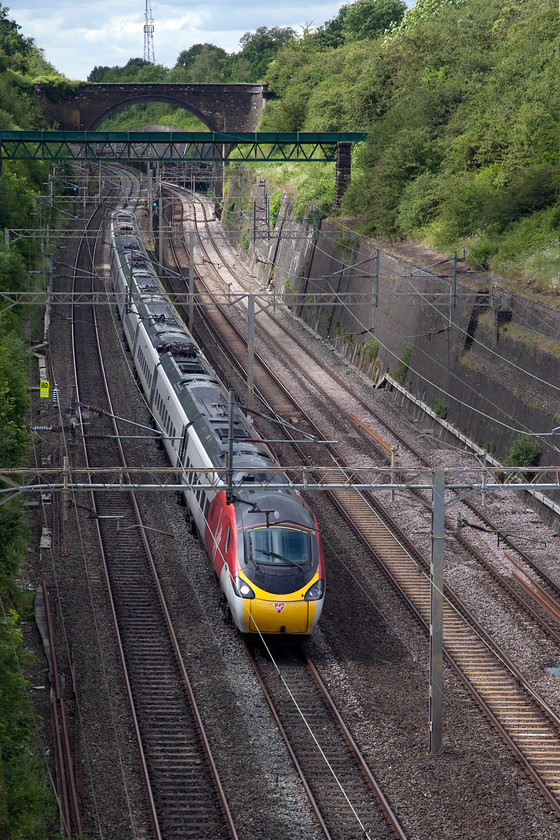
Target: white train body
[264, 545]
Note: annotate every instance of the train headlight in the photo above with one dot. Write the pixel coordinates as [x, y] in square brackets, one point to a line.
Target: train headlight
[242, 588]
[315, 592]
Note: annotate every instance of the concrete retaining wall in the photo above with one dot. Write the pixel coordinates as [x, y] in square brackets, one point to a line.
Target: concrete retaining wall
[487, 357]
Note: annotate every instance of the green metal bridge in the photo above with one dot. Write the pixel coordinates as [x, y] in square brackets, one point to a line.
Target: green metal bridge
[126, 146]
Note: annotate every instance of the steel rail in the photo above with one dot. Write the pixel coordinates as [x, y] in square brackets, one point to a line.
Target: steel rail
[545, 727]
[68, 795]
[156, 815]
[372, 781]
[325, 791]
[97, 524]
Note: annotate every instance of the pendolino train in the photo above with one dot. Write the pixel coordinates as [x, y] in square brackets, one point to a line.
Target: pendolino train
[264, 544]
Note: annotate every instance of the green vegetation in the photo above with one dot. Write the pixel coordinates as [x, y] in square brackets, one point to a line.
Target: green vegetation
[401, 371]
[370, 350]
[440, 409]
[206, 63]
[307, 184]
[461, 101]
[274, 204]
[524, 452]
[27, 804]
[26, 807]
[57, 87]
[144, 116]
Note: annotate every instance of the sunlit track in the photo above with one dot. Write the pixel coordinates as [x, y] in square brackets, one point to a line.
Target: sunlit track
[225, 333]
[313, 368]
[523, 720]
[183, 792]
[343, 793]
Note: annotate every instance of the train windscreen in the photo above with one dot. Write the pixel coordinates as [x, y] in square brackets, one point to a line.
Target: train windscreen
[279, 546]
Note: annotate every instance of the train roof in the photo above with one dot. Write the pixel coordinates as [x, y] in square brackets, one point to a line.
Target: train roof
[205, 401]
[202, 396]
[274, 507]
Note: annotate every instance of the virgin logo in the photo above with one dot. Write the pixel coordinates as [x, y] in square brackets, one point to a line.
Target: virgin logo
[279, 607]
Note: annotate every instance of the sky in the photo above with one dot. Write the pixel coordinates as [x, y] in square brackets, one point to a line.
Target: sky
[77, 36]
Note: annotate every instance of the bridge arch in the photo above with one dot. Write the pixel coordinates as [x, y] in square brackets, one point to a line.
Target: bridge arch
[120, 106]
[221, 107]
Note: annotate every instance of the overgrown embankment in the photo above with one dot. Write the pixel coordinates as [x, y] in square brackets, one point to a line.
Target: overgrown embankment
[27, 802]
[462, 105]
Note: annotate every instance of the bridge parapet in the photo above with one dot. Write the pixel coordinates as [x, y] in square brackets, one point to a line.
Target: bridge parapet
[221, 107]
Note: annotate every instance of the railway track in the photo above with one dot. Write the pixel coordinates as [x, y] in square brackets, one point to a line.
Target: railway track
[313, 367]
[344, 795]
[184, 796]
[64, 703]
[524, 720]
[67, 784]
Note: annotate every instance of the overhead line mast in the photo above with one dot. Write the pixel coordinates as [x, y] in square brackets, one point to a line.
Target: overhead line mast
[149, 54]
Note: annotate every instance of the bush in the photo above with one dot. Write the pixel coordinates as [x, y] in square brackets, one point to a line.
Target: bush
[524, 452]
[274, 204]
[418, 204]
[531, 246]
[13, 405]
[56, 88]
[27, 809]
[525, 192]
[370, 350]
[401, 371]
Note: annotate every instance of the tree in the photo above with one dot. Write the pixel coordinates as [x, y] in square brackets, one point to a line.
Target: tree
[259, 48]
[98, 73]
[131, 72]
[368, 19]
[187, 58]
[331, 34]
[524, 452]
[12, 43]
[209, 65]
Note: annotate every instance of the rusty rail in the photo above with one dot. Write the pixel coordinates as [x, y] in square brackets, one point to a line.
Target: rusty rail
[535, 589]
[70, 817]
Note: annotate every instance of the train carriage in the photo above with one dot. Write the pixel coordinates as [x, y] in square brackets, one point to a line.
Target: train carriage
[264, 544]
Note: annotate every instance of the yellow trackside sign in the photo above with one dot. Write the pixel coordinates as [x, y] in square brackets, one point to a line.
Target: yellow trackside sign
[44, 388]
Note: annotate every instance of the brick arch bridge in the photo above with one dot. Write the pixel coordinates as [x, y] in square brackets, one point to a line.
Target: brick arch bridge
[231, 107]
